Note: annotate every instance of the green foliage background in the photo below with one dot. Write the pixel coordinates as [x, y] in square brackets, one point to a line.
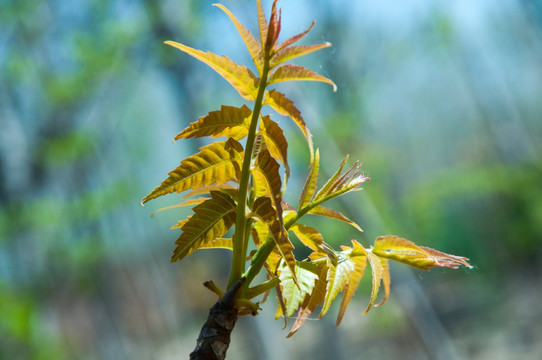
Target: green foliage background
[440, 101]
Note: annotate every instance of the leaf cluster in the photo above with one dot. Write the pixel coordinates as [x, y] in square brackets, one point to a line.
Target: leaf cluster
[240, 186]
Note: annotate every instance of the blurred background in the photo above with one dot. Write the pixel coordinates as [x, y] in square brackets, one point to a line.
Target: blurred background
[440, 100]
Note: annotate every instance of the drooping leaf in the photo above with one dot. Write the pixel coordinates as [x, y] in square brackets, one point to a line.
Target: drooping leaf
[263, 209]
[275, 141]
[295, 38]
[337, 277]
[360, 263]
[376, 270]
[405, 251]
[216, 163]
[239, 76]
[284, 106]
[324, 211]
[292, 294]
[211, 219]
[386, 280]
[292, 52]
[229, 121]
[310, 184]
[309, 236]
[313, 301]
[253, 46]
[297, 73]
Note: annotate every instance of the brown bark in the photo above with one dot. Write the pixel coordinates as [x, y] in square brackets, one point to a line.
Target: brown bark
[214, 337]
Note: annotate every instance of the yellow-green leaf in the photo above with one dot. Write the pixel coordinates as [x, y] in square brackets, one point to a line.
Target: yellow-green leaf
[311, 302]
[360, 263]
[218, 243]
[376, 269]
[341, 184]
[309, 236]
[275, 141]
[324, 211]
[386, 280]
[292, 52]
[284, 106]
[296, 73]
[337, 277]
[211, 219]
[263, 209]
[262, 24]
[227, 188]
[405, 251]
[310, 184]
[267, 170]
[229, 121]
[239, 76]
[292, 294]
[216, 163]
[253, 46]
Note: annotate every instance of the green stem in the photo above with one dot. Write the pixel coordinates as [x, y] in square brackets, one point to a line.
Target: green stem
[239, 249]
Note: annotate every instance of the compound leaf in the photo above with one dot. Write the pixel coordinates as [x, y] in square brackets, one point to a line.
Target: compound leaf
[211, 219]
[216, 163]
[295, 38]
[309, 236]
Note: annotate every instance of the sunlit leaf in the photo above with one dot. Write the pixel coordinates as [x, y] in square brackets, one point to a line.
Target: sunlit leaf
[253, 46]
[405, 251]
[323, 211]
[216, 163]
[292, 52]
[218, 243]
[376, 270]
[360, 263]
[239, 76]
[211, 219]
[284, 106]
[297, 73]
[229, 121]
[313, 301]
[292, 294]
[310, 184]
[276, 141]
[267, 170]
[386, 280]
[262, 24]
[263, 209]
[309, 236]
[341, 184]
[337, 277]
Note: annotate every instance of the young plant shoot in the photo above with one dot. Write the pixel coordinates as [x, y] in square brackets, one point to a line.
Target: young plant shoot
[237, 183]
